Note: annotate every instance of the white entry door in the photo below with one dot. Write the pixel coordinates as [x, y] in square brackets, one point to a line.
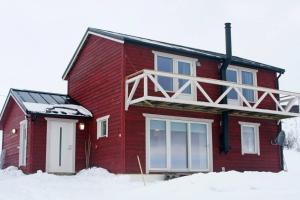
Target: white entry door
[61, 136]
[23, 143]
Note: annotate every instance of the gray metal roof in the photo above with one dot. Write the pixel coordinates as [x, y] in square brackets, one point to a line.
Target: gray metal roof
[41, 97]
[184, 49]
[46, 103]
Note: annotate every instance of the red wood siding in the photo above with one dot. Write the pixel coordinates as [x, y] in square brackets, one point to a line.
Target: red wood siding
[12, 118]
[138, 58]
[96, 82]
[268, 160]
[38, 129]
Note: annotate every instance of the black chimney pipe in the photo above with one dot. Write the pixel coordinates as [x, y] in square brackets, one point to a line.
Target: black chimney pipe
[228, 41]
[225, 144]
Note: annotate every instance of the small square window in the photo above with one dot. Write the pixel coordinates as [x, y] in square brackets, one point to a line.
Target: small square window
[250, 138]
[102, 127]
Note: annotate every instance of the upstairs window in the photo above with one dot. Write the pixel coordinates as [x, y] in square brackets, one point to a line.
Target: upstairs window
[175, 65]
[165, 64]
[241, 76]
[102, 127]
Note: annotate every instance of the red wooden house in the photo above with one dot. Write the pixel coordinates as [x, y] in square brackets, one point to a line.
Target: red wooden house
[179, 109]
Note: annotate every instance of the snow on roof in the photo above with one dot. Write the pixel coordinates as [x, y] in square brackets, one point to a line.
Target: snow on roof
[37, 102]
[57, 109]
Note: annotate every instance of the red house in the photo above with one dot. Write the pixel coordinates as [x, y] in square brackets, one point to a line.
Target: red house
[179, 109]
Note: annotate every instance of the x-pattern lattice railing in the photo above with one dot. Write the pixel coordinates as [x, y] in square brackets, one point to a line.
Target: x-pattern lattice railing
[284, 100]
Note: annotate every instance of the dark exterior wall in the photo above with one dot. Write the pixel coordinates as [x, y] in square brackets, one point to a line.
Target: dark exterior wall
[96, 82]
[11, 120]
[138, 58]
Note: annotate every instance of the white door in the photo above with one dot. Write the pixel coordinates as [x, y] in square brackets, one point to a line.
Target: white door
[60, 145]
[23, 143]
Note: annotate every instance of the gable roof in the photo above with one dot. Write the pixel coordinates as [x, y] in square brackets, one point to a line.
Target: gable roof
[45, 103]
[121, 38]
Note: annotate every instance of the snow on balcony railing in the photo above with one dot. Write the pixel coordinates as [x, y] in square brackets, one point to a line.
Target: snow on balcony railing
[284, 102]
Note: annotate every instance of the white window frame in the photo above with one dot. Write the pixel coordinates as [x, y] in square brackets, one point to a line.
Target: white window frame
[99, 126]
[169, 119]
[176, 59]
[23, 144]
[255, 126]
[239, 71]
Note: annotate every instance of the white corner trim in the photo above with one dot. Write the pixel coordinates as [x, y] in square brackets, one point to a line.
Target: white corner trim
[147, 115]
[103, 118]
[249, 124]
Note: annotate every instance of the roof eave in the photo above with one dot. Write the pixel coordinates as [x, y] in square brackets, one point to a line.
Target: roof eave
[59, 115]
[21, 106]
[89, 31]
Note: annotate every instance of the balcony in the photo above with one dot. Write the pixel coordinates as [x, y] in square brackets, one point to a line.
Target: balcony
[206, 95]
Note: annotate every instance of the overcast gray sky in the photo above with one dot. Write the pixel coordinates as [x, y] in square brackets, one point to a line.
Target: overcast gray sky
[38, 38]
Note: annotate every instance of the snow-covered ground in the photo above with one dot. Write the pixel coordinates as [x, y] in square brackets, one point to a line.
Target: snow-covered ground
[99, 184]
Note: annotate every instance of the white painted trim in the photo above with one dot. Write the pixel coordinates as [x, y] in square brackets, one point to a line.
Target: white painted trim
[175, 56]
[23, 143]
[99, 126]
[249, 123]
[70, 66]
[61, 119]
[172, 117]
[255, 127]
[188, 121]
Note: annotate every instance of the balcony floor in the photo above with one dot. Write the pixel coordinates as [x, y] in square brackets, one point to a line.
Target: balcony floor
[206, 109]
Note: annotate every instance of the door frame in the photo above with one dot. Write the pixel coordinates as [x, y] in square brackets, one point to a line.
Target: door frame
[23, 143]
[48, 145]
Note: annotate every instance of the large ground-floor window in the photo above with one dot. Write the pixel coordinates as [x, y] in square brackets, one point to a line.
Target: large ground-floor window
[178, 144]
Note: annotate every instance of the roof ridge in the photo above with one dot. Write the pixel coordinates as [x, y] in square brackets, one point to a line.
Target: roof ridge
[168, 43]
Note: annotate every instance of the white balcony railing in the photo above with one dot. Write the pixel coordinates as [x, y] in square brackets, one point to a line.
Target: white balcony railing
[138, 90]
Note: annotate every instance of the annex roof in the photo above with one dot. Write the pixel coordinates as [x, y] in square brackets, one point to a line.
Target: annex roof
[120, 37]
[46, 103]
